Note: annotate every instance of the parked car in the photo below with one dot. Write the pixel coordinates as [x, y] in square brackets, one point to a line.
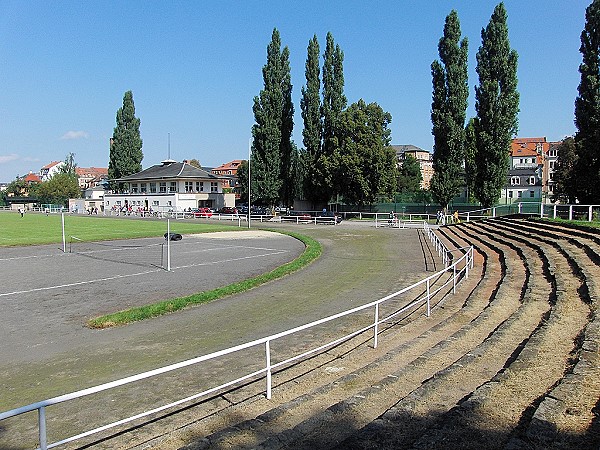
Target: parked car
[228, 210]
[261, 211]
[203, 212]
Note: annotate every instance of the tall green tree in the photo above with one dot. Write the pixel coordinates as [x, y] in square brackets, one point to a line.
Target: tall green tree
[362, 159]
[470, 154]
[409, 176]
[333, 104]
[497, 106]
[242, 176]
[126, 145]
[587, 109]
[272, 149]
[566, 176]
[448, 112]
[334, 100]
[287, 149]
[310, 105]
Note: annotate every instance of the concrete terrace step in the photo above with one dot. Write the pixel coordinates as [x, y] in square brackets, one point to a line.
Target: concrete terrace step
[404, 423]
[356, 409]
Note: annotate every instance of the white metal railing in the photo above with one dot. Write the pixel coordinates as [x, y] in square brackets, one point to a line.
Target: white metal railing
[458, 267]
[556, 210]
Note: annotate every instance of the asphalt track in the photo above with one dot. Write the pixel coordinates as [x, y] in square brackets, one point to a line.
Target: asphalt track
[46, 297]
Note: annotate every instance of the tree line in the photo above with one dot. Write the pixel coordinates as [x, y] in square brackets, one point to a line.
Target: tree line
[347, 155]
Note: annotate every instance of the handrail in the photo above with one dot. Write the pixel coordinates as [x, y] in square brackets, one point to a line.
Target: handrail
[458, 267]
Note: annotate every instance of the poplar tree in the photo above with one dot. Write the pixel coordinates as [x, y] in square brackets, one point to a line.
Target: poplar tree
[310, 105]
[333, 103]
[273, 114]
[126, 145]
[587, 109]
[287, 150]
[334, 100]
[497, 106]
[470, 155]
[448, 112]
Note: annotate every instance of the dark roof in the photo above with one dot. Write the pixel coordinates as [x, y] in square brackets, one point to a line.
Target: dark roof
[169, 169]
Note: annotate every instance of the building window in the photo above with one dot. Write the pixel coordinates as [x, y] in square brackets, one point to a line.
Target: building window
[199, 186]
[515, 181]
[173, 186]
[134, 188]
[520, 194]
[552, 153]
[163, 187]
[154, 202]
[552, 164]
[143, 188]
[532, 180]
[169, 203]
[213, 186]
[510, 194]
[153, 188]
[531, 194]
[189, 186]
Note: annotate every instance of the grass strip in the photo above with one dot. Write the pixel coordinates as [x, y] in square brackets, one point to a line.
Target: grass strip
[311, 252]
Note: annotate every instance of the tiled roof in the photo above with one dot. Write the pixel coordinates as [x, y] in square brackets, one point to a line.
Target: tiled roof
[32, 178]
[52, 164]
[231, 165]
[94, 171]
[169, 170]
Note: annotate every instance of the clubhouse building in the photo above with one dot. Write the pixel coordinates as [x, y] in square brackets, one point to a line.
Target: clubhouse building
[170, 186]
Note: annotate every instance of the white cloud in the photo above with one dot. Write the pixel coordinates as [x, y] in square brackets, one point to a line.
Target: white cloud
[72, 135]
[8, 158]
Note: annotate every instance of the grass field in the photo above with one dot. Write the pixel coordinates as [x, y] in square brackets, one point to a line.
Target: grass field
[36, 228]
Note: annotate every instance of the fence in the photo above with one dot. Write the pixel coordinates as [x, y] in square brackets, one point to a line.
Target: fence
[458, 268]
[587, 213]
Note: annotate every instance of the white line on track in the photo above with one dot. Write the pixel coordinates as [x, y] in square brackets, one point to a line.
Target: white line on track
[79, 283]
[98, 280]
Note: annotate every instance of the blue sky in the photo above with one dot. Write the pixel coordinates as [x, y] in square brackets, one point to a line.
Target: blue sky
[194, 68]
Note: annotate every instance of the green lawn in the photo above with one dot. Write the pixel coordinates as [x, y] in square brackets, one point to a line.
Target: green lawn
[36, 228]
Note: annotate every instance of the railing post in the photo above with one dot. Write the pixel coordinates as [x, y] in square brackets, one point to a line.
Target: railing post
[520, 207]
[268, 355]
[542, 210]
[376, 327]
[554, 215]
[42, 428]
[428, 302]
[590, 217]
[468, 214]
[570, 212]
[454, 278]
[493, 212]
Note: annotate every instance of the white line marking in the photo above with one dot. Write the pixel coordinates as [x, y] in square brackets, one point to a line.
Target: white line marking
[81, 283]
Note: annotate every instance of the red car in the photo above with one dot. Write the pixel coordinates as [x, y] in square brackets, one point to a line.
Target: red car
[202, 212]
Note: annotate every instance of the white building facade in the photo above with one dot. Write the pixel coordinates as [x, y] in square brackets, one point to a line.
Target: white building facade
[170, 186]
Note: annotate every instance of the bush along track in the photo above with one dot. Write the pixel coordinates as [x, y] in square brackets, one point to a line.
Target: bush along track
[311, 252]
